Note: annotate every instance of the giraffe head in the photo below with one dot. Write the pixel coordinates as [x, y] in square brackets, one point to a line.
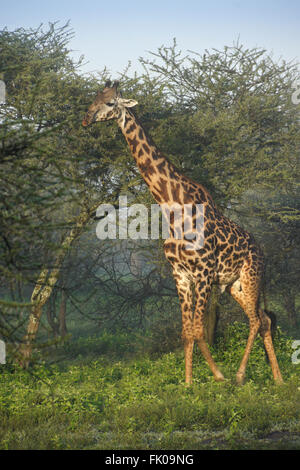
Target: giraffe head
[107, 105]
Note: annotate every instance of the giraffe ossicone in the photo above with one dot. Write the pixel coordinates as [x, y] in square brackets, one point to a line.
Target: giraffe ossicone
[229, 256]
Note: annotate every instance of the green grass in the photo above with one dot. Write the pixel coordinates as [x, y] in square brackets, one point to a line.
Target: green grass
[113, 392]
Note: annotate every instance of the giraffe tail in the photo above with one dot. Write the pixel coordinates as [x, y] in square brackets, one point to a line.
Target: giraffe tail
[268, 312]
[271, 315]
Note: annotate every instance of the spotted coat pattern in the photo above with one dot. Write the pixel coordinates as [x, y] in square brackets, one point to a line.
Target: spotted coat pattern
[229, 256]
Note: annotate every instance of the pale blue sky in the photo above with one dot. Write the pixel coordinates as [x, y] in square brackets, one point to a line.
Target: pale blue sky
[112, 33]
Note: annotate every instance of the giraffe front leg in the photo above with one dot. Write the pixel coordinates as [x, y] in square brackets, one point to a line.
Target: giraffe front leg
[202, 291]
[184, 290]
[188, 357]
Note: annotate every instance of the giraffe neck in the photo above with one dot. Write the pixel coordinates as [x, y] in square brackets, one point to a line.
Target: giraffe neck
[165, 182]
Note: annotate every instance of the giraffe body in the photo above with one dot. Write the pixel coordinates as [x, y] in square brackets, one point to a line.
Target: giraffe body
[229, 255]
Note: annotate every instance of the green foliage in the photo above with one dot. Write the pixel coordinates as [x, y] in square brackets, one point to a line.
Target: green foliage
[143, 402]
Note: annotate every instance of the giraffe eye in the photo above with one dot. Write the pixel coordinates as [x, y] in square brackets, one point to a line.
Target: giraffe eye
[109, 104]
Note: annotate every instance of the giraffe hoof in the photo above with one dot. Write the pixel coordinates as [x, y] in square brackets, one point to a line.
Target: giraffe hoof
[240, 378]
[188, 383]
[279, 380]
[219, 377]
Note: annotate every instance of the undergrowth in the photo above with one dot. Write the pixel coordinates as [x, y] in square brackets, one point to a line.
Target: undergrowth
[117, 391]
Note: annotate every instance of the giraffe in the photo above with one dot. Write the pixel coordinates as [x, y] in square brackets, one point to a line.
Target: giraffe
[229, 255]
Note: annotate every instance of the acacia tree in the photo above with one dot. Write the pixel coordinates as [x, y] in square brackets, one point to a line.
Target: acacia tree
[50, 169]
[278, 228]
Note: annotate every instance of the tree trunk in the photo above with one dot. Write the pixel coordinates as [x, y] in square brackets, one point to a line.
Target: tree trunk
[51, 317]
[62, 315]
[290, 306]
[212, 315]
[45, 284]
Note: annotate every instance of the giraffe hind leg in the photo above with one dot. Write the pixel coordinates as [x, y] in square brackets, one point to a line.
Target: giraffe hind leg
[246, 294]
[266, 334]
[249, 305]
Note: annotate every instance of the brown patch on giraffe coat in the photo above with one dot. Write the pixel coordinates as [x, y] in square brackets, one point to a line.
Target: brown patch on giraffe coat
[147, 168]
[131, 128]
[157, 197]
[175, 190]
[170, 247]
[188, 198]
[161, 167]
[133, 143]
[146, 148]
[155, 155]
[128, 118]
[162, 188]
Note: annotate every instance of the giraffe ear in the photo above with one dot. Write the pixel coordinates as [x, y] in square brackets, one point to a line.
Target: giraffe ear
[127, 103]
